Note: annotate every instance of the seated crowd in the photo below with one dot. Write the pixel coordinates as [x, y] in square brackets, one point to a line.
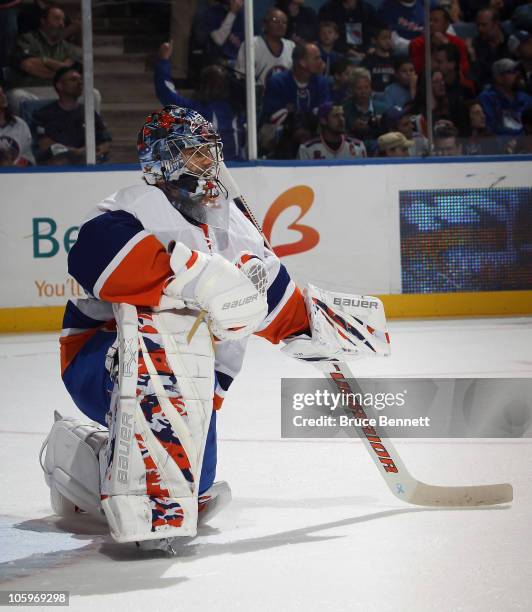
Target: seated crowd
[343, 81]
[348, 79]
[42, 117]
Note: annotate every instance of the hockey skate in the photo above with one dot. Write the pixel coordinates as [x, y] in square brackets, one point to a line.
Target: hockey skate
[210, 503]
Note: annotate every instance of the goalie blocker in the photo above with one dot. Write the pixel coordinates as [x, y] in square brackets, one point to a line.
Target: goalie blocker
[343, 326]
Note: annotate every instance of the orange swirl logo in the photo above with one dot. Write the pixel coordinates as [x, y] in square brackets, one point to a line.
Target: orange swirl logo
[302, 197]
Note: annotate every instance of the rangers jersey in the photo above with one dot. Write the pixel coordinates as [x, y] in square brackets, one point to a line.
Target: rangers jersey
[121, 256]
[319, 149]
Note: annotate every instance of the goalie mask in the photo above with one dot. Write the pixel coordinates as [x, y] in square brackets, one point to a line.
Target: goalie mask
[180, 152]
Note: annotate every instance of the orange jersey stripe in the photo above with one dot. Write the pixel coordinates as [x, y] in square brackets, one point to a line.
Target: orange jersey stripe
[192, 259]
[140, 277]
[71, 345]
[217, 401]
[291, 319]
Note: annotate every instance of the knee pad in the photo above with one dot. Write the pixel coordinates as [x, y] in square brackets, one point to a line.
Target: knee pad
[71, 465]
[160, 417]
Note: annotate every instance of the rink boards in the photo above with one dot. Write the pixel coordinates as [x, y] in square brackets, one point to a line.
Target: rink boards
[431, 238]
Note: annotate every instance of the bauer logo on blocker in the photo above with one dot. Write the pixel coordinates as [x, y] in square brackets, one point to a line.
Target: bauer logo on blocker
[354, 303]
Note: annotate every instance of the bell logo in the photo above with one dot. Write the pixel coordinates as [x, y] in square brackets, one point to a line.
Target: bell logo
[302, 197]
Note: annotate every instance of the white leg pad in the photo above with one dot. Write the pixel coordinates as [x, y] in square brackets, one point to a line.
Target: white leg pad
[71, 466]
[160, 419]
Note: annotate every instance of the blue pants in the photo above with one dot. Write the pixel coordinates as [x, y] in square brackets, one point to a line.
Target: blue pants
[90, 386]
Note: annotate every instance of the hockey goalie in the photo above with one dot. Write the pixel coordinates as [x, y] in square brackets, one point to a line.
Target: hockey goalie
[177, 278]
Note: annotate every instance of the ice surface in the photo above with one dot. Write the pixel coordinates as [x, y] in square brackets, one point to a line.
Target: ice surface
[312, 525]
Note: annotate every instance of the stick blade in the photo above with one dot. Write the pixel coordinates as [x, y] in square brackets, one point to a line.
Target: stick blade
[456, 497]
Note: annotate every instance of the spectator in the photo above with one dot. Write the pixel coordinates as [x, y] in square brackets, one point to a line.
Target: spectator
[522, 17]
[297, 129]
[363, 110]
[212, 101]
[201, 48]
[181, 26]
[341, 72]
[502, 103]
[29, 18]
[455, 10]
[446, 140]
[503, 8]
[332, 142]
[439, 24]
[397, 119]
[63, 122]
[355, 20]
[470, 8]
[523, 144]
[299, 90]
[15, 137]
[394, 144]
[327, 38]
[8, 31]
[441, 107]
[520, 45]
[273, 52]
[458, 89]
[488, 45]
[302, 21]
[38, 55]
[30, 15]
[224, 20]
[478, 139]
[378, 60]
[446, 59]
[405, 18]
[404, 89]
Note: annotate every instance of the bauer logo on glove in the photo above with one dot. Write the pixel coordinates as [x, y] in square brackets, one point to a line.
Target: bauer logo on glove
[241, 302]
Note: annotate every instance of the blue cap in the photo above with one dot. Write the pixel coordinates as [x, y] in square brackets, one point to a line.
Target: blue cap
[324, 110]
[392, 116]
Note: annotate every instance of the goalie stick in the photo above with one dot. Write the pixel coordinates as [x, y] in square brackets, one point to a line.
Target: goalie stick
[396, 475]
[386, 458]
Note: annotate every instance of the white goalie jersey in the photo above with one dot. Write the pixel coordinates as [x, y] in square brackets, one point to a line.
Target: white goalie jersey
[121, 256]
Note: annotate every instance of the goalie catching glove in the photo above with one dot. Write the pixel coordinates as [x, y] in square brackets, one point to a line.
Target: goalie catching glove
[233, 296]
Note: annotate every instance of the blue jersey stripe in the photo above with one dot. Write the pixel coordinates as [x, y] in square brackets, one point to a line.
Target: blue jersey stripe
[277, 289]
[99, 240]
[224, 380]
[74, 318]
